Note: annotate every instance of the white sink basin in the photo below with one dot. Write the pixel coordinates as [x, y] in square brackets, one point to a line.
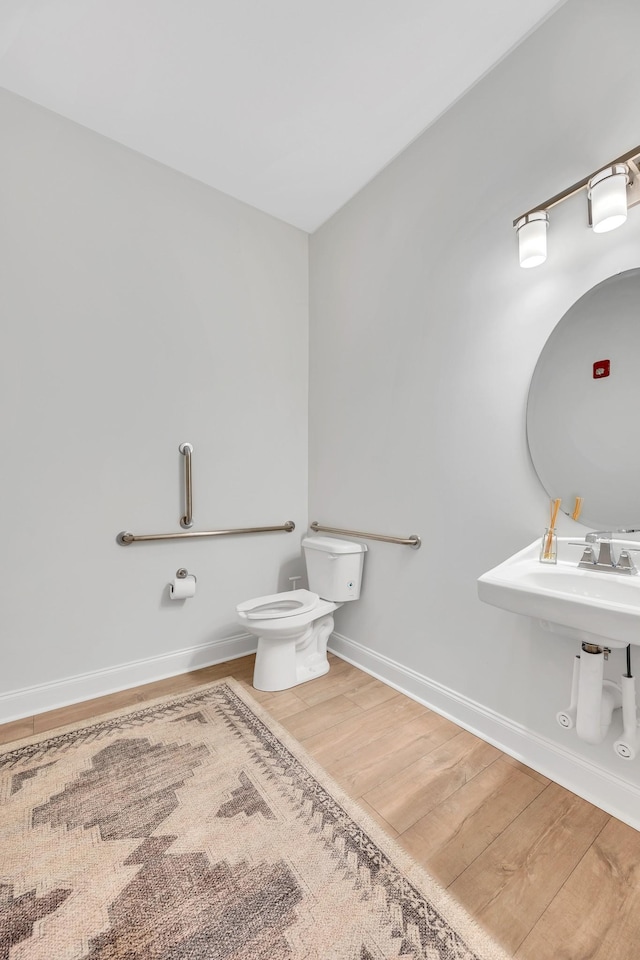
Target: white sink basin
[587, 605]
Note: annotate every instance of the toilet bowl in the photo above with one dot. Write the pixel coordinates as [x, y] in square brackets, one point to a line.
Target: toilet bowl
[293, 627]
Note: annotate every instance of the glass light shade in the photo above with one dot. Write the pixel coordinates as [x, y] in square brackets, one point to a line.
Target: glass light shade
[532, 238]
[608, 196]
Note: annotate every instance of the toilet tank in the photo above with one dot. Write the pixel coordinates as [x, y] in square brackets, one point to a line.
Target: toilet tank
[334, 567]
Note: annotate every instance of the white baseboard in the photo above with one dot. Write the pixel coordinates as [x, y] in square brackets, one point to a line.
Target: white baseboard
[62, 693]
[604, 789]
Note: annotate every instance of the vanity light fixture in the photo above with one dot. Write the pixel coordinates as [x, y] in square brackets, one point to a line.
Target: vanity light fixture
[607, 192]
[610, 192]
[532, 238]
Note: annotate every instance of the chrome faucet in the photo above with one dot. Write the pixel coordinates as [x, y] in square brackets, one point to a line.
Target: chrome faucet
[606, 559]
[605, 554]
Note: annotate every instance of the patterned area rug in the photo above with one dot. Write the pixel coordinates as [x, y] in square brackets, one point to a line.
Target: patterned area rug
[195, 828]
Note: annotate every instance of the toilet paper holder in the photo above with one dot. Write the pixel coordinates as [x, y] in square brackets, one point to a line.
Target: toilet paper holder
[182, 573]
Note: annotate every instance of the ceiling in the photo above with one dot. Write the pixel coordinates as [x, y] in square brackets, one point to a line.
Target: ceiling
[289, 105]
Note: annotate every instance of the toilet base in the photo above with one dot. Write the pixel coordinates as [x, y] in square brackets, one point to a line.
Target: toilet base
[266, 680]
[285, 662]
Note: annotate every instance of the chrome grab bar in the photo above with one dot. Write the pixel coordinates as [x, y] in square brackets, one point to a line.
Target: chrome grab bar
[186, 449]
[125, 537]
[412, 541]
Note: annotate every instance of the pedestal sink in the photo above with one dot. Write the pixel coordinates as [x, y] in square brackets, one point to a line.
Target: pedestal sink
[599, 608]
[586, 605]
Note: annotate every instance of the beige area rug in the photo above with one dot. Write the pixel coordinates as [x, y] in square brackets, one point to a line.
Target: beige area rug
[194, 828]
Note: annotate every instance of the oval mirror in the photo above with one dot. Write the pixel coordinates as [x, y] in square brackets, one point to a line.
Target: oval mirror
[583, 411]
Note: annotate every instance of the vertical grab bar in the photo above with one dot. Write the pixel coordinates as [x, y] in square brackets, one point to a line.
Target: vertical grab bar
[186, 449]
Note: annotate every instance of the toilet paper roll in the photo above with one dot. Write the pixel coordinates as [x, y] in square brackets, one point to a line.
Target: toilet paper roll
[181, 588]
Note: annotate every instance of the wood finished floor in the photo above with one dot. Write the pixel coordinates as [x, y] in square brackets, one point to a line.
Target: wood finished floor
[549, 875]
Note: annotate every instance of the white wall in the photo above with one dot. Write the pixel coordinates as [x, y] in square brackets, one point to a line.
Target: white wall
[424, 336]
[140, 309]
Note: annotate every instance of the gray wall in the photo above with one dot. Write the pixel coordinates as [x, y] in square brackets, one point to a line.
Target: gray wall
[424, 335]
[140, 309]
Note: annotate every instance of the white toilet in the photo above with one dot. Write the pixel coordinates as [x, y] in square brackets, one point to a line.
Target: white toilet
[293, 627]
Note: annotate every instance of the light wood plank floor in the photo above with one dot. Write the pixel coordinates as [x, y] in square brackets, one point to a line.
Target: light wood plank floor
[549, 875]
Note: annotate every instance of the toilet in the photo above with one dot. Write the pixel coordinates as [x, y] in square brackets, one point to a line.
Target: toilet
[293, 627]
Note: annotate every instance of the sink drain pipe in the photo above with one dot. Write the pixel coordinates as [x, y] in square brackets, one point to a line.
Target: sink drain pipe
[597, 697]
[627, 745]
[567, 718]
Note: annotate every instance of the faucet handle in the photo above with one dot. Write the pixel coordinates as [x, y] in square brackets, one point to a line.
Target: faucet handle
[588, 556]
[625, 561]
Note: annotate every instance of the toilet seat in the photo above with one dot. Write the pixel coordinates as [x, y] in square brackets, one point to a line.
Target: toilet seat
[291, 603]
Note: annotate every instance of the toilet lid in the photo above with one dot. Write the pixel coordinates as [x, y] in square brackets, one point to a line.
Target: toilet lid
[291, 603]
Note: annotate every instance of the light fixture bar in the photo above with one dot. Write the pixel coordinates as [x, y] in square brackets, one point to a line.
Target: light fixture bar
[631, 157]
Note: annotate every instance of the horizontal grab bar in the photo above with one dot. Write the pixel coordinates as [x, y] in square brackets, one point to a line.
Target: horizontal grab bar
[412, 541]
[125, 537]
